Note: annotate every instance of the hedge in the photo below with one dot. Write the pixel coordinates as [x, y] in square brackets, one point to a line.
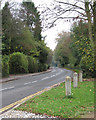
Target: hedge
[42, 67]
[5, 66]
[32, 64]
[18, 63]
[36, 65]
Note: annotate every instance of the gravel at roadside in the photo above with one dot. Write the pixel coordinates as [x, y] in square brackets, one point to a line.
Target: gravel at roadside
[23, 114]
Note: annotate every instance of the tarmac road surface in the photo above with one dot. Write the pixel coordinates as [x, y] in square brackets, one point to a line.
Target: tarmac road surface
[15, 90]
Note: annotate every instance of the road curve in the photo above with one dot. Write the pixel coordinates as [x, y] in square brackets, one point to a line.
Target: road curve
[18, 89]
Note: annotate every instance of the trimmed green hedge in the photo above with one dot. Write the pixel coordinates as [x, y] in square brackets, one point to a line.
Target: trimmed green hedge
[43, 67]
[36, 66]
[18, 63]
[5, 66]
[32, 64]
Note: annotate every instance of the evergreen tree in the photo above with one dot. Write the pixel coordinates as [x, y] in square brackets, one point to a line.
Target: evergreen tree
[31, 18]
[6, 28]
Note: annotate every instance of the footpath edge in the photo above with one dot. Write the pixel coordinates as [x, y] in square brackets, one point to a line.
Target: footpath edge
[16, 77]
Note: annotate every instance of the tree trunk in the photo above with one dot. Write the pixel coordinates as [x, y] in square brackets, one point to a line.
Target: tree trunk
[94, 23]
[87, 10]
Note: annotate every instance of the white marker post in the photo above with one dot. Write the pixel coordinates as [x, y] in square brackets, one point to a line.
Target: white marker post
[68, 86]
[75, 80]
[80, 76]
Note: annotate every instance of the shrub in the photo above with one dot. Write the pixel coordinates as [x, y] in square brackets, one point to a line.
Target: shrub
[32, 64]
[45, 67]
[18, 63]
[5, 66]
[36, 67]
[48, 66]
[42, 67]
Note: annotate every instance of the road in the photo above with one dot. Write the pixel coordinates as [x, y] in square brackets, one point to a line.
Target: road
[15, 90]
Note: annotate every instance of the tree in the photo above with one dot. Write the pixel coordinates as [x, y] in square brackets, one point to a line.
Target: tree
[26, 42]
[12, 29]
[94, 14]
[23, 34]
[43, 52]
[62, 51]
[85, 9]
[82, 49]
[49, 57]
[6, 27]
[30, 16]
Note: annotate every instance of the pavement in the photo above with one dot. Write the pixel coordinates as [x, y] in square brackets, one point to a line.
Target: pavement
[18, 76]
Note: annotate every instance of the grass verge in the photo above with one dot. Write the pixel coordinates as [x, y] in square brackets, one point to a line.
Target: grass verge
[55, 103]
[72, 69]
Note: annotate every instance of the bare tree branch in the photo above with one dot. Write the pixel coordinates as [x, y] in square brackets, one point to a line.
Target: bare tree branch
[65, 10]
[74, 5]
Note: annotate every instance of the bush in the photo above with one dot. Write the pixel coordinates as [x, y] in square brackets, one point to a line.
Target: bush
[18, 63]
[40, 69]
[43, 67]
[32, 64]
[48, 66]
[5, 66]
[36, 66]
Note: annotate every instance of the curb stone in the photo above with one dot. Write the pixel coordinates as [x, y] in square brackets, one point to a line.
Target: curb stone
[16, 77]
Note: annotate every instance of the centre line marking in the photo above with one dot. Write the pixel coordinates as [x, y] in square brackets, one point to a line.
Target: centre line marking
[3, 89]
[11, 87]
[45, 78]
[7, 88]
[33, 81]
[27, 83]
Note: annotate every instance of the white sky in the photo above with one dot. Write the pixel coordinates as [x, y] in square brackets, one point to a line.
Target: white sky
[51, 34]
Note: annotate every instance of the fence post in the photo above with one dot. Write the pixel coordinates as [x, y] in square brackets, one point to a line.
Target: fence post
[68, 86]
[75, 79]
[80, 76]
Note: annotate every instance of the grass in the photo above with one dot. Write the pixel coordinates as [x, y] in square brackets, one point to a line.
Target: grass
[55, 103]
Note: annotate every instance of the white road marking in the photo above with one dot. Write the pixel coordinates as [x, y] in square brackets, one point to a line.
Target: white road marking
[3, 89]
[52, 75]
[45, 78]
[33, 81]
[27, 83]
[11, 87]
[7, 88]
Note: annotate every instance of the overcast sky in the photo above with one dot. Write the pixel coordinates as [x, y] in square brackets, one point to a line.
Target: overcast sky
[53, 32]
